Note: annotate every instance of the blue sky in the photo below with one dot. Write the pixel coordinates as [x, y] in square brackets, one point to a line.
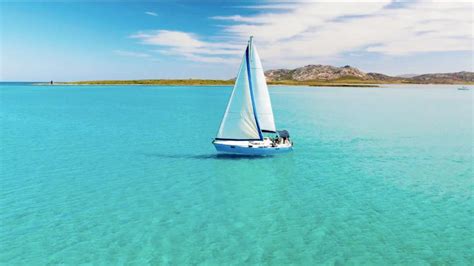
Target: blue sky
[205, 39]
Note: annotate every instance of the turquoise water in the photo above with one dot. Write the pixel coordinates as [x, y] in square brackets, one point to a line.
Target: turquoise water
[116, 174]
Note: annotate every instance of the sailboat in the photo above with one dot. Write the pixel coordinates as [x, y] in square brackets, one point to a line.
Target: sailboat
[248, 125]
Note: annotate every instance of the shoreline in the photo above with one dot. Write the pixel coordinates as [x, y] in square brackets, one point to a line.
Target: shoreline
[217, 85]
[203, 82]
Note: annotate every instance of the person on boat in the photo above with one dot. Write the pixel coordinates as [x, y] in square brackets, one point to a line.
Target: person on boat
[284, 136]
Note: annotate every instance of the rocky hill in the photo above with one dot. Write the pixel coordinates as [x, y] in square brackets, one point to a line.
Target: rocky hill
[457, 77]
[314, 72]
[382, 77]
[331, 73]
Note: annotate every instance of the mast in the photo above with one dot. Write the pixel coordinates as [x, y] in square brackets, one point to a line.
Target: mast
[248, 55]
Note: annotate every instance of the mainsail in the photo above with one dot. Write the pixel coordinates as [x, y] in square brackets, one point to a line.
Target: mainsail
[260, 89]
[249, 111]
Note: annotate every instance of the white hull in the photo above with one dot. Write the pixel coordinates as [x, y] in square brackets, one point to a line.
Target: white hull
[265, 147]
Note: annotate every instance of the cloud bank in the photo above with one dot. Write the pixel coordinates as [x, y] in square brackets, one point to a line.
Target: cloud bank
[303, 32]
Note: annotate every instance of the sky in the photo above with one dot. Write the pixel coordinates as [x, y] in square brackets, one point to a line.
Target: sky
[91, 40]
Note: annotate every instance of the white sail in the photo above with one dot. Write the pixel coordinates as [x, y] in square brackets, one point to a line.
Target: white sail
[260, 90]
[239, 122]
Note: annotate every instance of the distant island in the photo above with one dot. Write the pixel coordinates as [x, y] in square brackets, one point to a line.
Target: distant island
[331, 74]
[310, 75]
[177, 82]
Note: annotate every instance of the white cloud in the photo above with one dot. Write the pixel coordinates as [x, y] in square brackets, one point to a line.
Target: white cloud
[232, 18]
[292, 34]
[270, 6]
[151, 13]
[189, 46]
[131, 54]
[168, 38]
[310, 30]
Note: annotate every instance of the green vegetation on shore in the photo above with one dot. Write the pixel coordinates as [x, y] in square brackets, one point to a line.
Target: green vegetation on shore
[214, 82]
[342, 82]
[152, 82]
[339, 82]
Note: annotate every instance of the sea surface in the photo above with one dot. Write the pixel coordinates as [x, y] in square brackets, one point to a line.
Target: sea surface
[128, 174]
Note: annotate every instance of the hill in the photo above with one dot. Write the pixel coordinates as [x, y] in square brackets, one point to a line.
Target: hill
[326, 73]
[457, 77]
[313, 75]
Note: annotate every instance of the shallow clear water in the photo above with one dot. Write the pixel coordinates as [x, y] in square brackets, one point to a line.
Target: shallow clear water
[127, 174]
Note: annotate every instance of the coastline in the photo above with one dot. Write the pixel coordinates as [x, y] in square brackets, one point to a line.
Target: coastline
[205, 82]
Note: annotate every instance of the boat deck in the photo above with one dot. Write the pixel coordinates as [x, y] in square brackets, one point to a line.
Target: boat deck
[265, 147]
